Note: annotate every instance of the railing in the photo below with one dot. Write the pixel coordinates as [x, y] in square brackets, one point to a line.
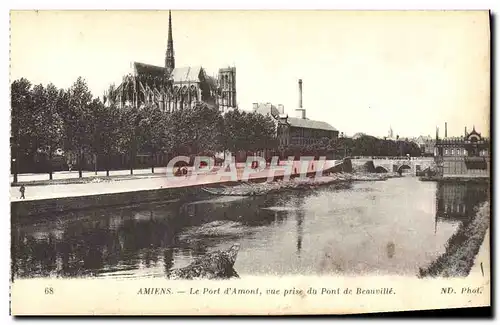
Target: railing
[391, 158]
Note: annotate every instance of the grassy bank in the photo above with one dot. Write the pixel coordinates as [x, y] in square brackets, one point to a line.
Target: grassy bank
[461, 248]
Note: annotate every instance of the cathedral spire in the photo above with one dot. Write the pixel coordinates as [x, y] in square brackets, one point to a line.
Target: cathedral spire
[169, 57]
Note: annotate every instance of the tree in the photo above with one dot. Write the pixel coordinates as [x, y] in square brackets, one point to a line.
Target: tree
[128, 139]
[150, 129]
[109, 98]
[76, 119]
[22, 133]
[261, 132]
[48, 123]
[195, 130]
[105, 130]
[248, 132]
[234, 131]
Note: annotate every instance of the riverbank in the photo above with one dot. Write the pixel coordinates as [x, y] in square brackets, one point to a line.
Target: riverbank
[251, 189]
[59, 198]
[462, 248]
[456, 178]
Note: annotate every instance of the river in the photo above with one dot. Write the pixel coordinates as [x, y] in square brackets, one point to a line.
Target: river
[381, 227]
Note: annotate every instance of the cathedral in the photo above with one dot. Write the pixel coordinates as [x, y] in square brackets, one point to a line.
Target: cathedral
[173, 88]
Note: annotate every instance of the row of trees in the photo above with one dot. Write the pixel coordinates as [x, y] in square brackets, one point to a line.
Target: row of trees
[371, 146]
[45, 118]
[363, 146]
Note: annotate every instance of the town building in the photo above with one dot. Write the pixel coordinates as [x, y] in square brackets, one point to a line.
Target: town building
[298, 130]
[465, 155]
[173, 88]
[426, 144]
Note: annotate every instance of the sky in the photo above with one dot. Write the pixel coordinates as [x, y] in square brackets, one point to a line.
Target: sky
[362, 71]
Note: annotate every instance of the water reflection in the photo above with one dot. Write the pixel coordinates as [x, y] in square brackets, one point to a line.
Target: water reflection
[92, 242]
[459, 204]
[457, 201]
[351, 228]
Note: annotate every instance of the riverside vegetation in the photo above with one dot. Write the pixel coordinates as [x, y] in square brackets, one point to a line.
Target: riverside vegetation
[461, 248]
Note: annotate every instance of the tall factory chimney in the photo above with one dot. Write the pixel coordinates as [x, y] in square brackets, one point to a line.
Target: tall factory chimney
[465, 135]
[445, 129]
[300, 111]
[300, 93]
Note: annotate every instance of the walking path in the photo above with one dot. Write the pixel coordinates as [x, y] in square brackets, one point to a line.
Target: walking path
[140, 183]
[86, 174]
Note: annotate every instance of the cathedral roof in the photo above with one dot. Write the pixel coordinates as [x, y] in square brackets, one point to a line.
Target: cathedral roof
[141, 69]
[182, 74]
[187, 74]
[310, 124]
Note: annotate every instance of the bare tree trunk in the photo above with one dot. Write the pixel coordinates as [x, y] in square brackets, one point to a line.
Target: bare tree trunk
[107, 165]
[152, 162]
[15, 158]
[50, 162]
[95, 164]
[132, 158]
[80, 162]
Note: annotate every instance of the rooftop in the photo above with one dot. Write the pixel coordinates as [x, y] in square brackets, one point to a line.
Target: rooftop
[265, 109]
[182, 74]
[148, 69]
[187, 74]
[310, 124]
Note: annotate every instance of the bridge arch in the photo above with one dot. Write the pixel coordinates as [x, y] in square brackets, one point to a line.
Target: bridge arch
[380, 169]
[369, 166]
[403, 167]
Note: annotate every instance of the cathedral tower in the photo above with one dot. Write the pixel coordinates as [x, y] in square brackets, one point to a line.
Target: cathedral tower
[169, 56]
[227, 84]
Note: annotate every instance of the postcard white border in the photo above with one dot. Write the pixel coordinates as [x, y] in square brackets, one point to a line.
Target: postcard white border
[258, 4]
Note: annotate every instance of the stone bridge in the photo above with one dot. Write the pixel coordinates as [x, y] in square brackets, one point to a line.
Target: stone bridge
[390, 164]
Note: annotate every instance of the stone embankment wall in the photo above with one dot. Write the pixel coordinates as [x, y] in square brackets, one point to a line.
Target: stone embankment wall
[34, 208]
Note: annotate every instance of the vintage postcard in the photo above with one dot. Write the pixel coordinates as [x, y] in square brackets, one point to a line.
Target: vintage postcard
[183, 162]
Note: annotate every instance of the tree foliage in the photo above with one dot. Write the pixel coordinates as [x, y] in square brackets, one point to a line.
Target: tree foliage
[45, 119]
[248, 131]
[371, 146]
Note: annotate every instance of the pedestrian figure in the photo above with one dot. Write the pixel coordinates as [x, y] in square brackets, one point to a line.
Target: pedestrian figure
[22, 189]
